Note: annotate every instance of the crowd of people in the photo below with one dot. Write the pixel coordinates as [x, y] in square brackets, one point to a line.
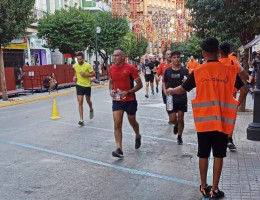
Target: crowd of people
[216, 81]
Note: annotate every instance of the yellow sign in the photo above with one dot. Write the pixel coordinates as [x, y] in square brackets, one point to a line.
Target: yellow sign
[16, 46]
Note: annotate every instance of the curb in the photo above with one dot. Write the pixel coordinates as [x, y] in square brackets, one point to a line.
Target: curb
[46, 97]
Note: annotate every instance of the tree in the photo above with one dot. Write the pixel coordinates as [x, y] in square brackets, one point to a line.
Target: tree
[15, 17]
[112, 30]
[193, 46]
[68, 30]
[131, 47]
[226, 20]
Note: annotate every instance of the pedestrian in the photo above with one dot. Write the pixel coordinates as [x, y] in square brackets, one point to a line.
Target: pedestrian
[161, 70]
[192, 64]
[214, 111]
[225, 59]
[173, 77]
[83, 73]
[156, 63]
[122, 90]
[148, 76]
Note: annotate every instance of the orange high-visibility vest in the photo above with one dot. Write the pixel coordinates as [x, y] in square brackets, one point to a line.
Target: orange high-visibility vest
[191, 65]
[214, 108]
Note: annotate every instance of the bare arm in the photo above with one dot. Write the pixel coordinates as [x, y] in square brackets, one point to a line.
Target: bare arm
[176, 90]
[137, 87]
[243, 76]
[91, 74]
[242, 95]
[111, 88]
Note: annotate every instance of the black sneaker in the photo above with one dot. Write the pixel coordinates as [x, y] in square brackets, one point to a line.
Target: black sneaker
[118, 153]
[205, 191]
[179, 140]
[81, 123]
[147, 96]
[137, 142]
[216, 195]
[157, 90]
[231, 145]
[175, 129]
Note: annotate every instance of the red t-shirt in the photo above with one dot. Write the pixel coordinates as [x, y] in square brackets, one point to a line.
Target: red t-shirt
[123, 79]
[161, 69]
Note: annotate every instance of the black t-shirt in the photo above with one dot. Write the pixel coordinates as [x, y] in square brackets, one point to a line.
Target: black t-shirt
[148, 68]
[190, 83]
[156, 64]
[173, 79]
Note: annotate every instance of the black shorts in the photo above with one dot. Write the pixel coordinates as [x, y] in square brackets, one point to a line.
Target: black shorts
[83, 90]
[149, 78]
[178, 107]
[130, 107]
[212, 139]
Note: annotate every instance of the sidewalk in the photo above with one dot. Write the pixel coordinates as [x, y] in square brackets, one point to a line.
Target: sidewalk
[29, 97]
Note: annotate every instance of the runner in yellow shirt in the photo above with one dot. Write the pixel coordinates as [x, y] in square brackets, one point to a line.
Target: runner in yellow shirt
[83, 73]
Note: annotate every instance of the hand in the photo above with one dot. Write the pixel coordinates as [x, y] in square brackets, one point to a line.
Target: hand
[169, 91]
[112, 93]
[74, 78]
[184, 79]
[82, 74]
[123, 95]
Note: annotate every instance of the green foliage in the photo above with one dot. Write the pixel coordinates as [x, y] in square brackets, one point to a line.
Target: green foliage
[68, 30]
[193, 46]
[225, 19]
[15, 17]
[112, 30]
[131, 47]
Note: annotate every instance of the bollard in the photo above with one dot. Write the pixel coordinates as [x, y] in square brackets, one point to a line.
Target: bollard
[253, 130]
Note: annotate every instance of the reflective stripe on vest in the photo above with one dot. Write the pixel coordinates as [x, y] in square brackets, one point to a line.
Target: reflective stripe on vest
[214, 103]
[214, 118]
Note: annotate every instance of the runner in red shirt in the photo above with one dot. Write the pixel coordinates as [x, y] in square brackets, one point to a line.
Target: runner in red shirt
[122, 90]
[161, 69]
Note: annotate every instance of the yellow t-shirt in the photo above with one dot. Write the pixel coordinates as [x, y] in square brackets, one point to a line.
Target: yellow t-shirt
[86, 68]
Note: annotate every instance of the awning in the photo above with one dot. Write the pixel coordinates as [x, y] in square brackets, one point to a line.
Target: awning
[252, 43]
[16, 46]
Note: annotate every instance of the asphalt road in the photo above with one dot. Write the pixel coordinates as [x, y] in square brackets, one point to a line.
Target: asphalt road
[55, 159]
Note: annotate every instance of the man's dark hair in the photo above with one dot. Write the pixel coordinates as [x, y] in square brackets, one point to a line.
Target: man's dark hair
[175, 53]
[210, 45]
[225, 48]
[80, 54]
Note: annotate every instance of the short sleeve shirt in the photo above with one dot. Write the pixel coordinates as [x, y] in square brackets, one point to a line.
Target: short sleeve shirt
[123, 79]
[149, 68]
[86, 68]
[174, 78]
[161, 69]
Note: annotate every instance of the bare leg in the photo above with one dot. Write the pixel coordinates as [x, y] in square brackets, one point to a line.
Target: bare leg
[180, 122]
[147, 87]
[173, 118]
[134, 124]
[80, 101]
[89, 103]
[152, 87]
[217, 168]
[203, 165]
[118, 121]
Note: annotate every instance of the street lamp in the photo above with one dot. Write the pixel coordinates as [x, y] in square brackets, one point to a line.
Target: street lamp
[98, 30]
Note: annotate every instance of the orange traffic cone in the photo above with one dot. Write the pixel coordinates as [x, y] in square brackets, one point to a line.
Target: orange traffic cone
[55, 114]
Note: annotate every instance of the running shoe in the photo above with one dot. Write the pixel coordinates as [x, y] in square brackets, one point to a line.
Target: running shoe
[205, 191]
[152, 92]
[137, 142]
[216, 194]
[231, 145]
[179, 140]
[91, 114]
[81, 122]
[157, 90]
[118, 153]
[147, 96]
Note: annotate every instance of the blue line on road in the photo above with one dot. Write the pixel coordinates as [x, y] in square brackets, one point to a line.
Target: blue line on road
[109, 130]
[124, 169]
